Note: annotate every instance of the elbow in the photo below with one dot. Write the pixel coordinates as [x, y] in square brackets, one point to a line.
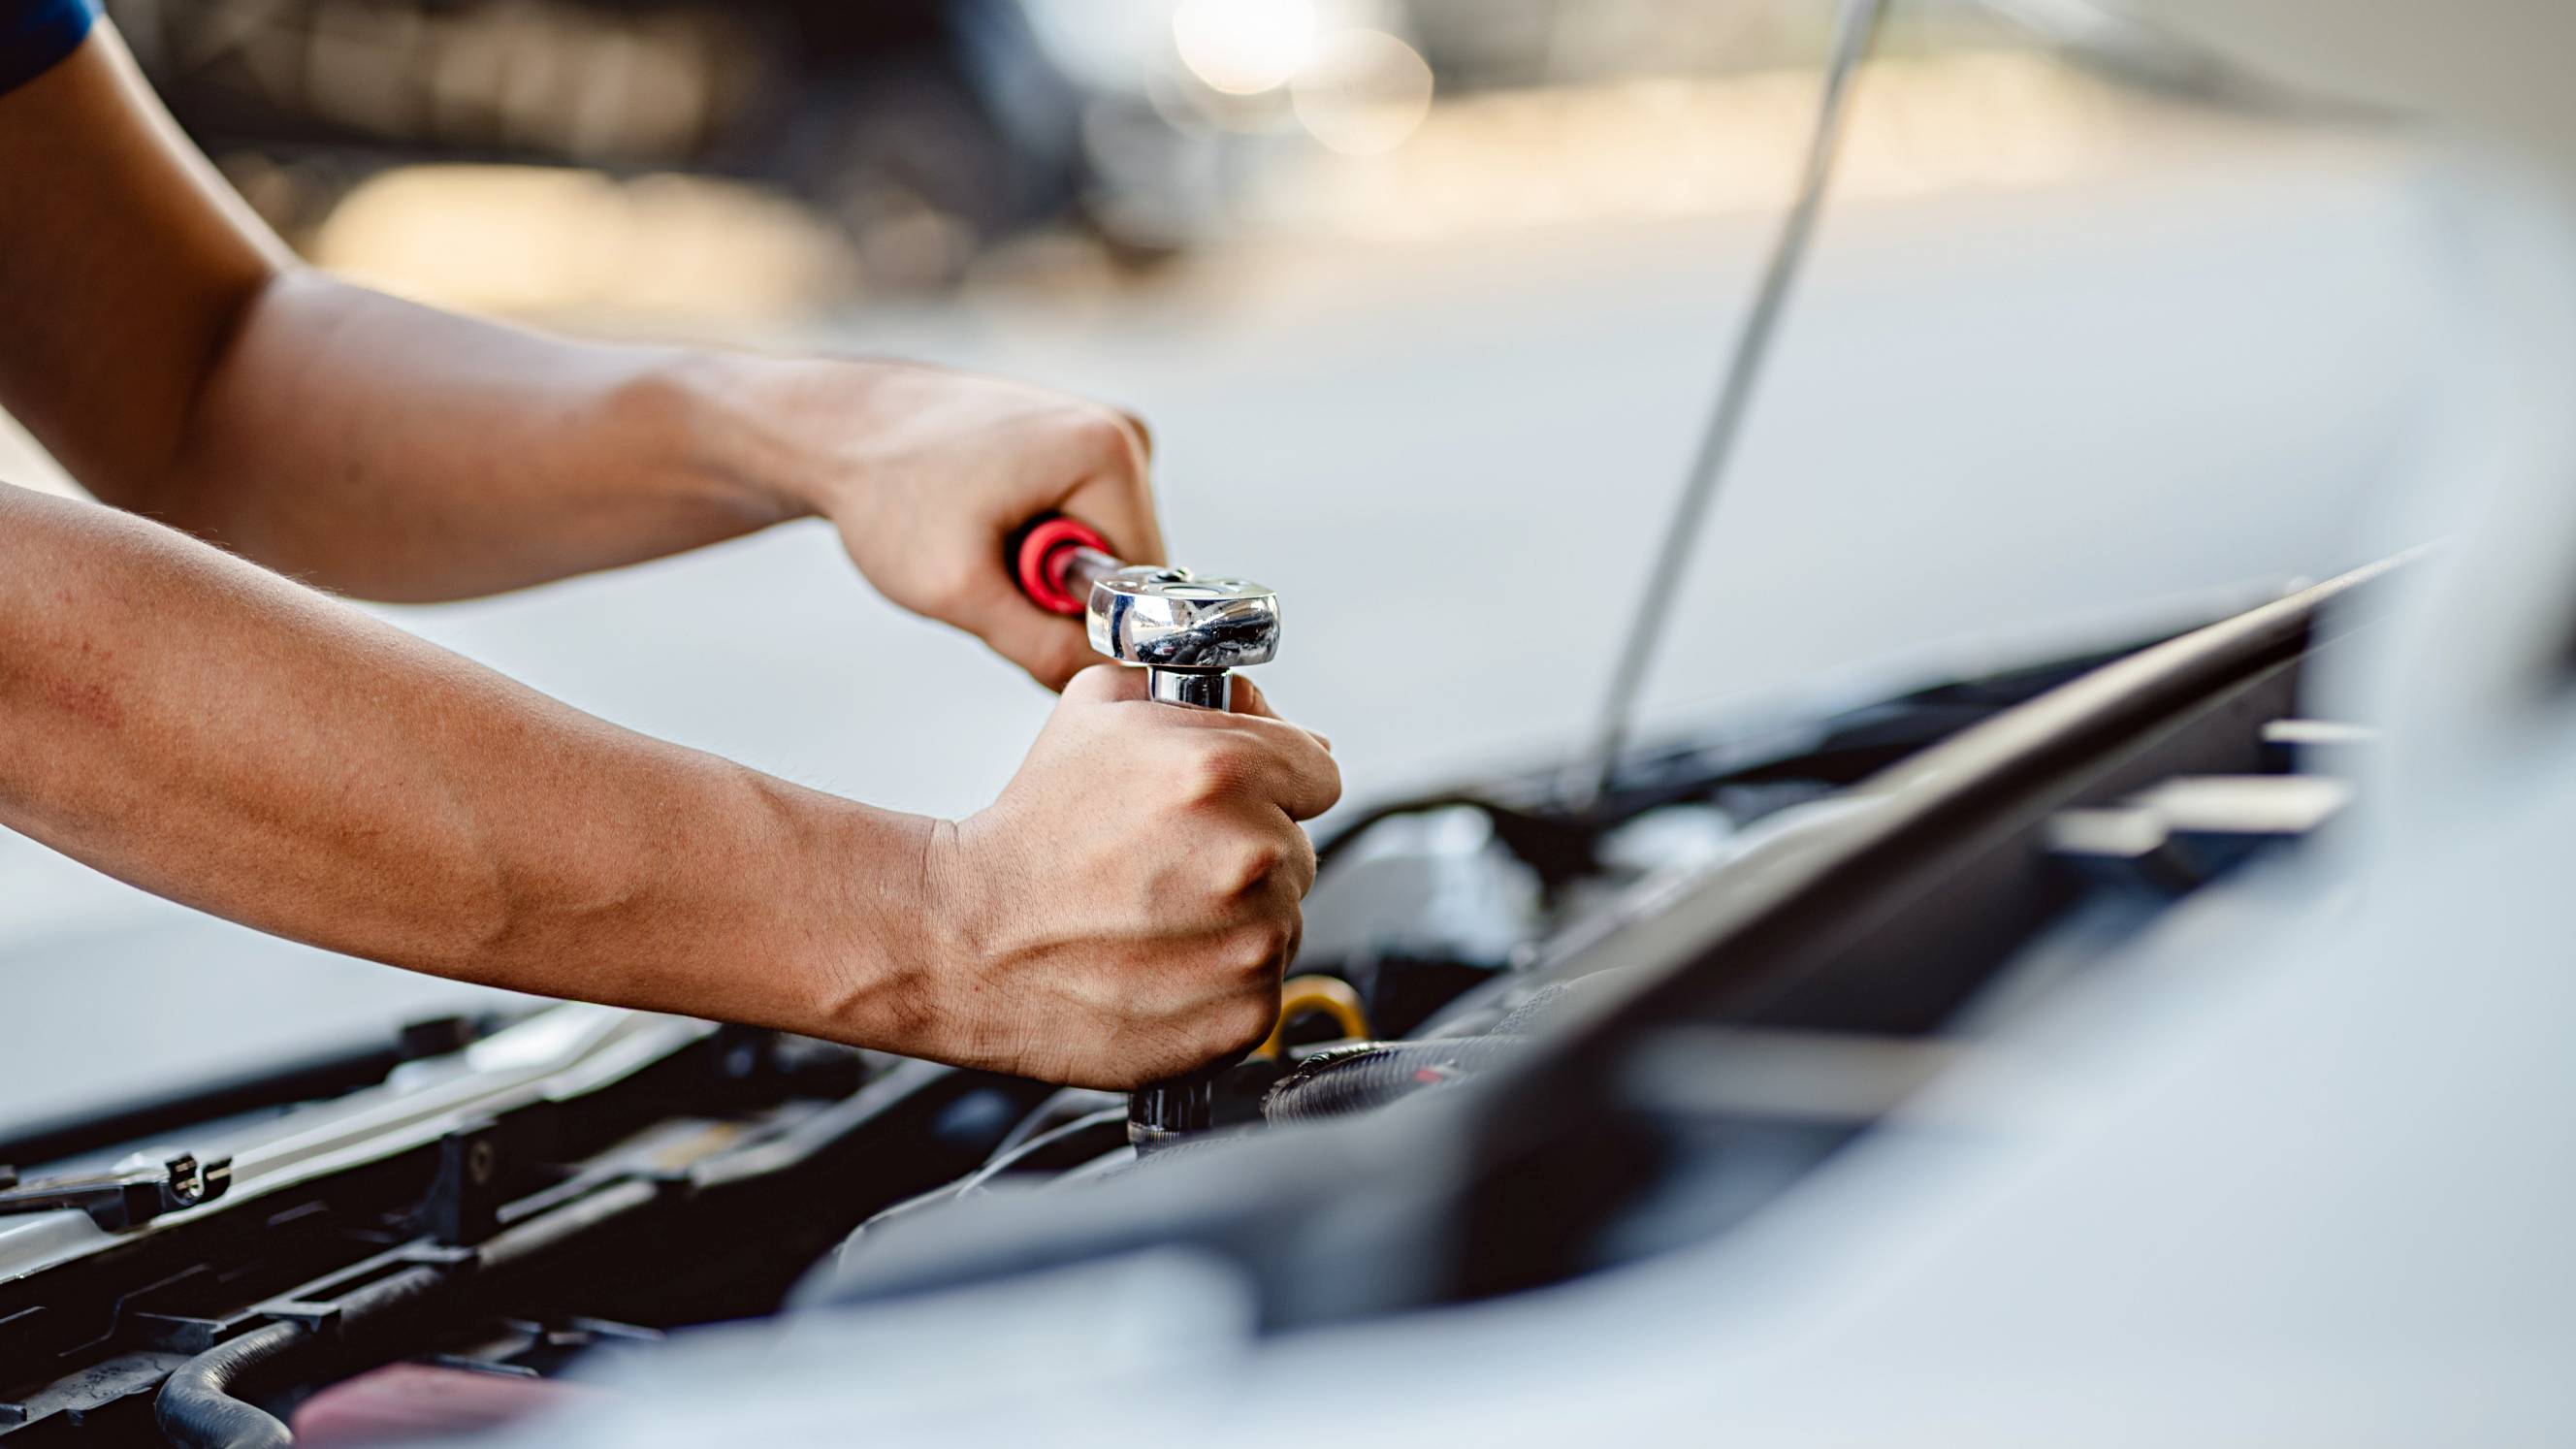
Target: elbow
[227, 474]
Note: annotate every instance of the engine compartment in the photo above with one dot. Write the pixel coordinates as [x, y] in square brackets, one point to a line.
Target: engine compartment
[1527, 1041]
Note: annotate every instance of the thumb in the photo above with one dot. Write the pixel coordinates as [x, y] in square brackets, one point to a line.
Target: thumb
[1105, 684]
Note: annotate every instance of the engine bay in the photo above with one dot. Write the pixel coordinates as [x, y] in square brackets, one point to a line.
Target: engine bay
[1525, 1041]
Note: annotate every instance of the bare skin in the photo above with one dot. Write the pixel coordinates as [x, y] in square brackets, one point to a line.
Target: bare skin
[190, 719]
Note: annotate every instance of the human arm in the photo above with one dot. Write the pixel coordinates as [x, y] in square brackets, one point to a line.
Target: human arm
[166, 348]
[209, 731]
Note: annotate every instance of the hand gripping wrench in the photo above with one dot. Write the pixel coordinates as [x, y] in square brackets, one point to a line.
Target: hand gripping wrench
[1188, 633]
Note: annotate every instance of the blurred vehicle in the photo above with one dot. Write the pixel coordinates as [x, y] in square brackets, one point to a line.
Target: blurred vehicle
[1182, 105]
[920, 127]
[925, 130]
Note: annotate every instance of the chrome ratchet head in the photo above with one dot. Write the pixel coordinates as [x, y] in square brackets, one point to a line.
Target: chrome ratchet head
[1187, 632]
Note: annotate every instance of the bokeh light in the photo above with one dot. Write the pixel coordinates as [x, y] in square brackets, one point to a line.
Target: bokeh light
[1364, 92]
[1244, 47]
[663, 250]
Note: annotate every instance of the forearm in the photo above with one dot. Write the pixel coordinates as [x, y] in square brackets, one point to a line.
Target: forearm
[163, 344]
[212, 733]
[390, 451]
[160, 341]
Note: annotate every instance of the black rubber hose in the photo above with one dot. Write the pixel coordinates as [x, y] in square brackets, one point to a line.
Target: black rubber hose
[197, 1408]
[1354, 1079]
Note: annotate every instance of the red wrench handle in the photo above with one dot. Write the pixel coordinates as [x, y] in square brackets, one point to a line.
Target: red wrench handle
[1042, 555]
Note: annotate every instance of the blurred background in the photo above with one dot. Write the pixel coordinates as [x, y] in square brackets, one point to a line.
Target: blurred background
[1425, 300]
[747, 164]
[732, 168]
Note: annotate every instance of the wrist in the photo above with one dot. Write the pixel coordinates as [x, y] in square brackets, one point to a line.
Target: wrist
[865, 937]
[759, 429]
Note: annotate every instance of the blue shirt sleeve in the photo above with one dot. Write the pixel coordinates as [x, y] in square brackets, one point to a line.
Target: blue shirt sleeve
[34, 34]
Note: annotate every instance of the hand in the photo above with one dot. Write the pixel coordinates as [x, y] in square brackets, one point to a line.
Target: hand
[1125, 910]
[927, 473]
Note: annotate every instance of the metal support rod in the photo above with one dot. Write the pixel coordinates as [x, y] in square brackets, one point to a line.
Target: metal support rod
[1853, 32]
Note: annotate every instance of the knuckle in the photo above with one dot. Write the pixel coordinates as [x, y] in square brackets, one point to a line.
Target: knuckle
[1101, 434]
[1215, 773]
[1328, 787]
[1301, 864]
[1254, 867]
[1263, 948]
[1246, 1020]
